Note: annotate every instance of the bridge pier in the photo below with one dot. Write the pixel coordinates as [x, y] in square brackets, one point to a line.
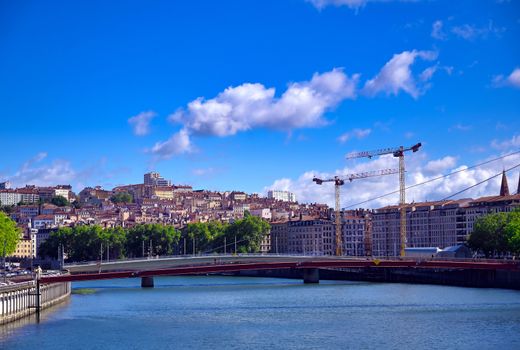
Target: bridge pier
[147, 282]
[311, 276]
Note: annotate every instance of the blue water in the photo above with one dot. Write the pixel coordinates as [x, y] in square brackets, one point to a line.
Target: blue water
[263, 313]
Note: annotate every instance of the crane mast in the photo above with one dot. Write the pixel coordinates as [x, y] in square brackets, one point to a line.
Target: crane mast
[338, 182]
[397, 152]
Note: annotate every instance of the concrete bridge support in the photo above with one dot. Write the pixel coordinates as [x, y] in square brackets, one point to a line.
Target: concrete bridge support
[311, 276]
[147, 282]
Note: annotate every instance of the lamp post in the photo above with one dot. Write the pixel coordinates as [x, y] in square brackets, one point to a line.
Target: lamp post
[5, 272]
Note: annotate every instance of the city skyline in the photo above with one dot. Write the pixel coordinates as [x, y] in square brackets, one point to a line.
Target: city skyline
[163, 91]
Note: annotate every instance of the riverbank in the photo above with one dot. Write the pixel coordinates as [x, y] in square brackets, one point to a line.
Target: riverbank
[21, 299]
[475, 278]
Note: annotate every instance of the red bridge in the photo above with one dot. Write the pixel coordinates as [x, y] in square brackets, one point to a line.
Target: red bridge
[175, 266]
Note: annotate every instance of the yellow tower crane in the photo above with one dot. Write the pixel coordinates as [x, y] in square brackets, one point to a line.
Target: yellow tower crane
[397, 152]
[340, 181]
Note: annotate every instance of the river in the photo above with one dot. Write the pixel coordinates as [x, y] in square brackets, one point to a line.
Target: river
[213, 312]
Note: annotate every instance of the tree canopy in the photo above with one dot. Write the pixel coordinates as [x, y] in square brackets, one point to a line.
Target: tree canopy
[497, 234]
[89, 242]
[211, 237]
[121, 197]
[9, 235]
[59, 201]
[82, 243]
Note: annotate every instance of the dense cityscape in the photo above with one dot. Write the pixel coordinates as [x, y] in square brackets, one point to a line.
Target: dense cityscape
[295, 228]
[261, 174]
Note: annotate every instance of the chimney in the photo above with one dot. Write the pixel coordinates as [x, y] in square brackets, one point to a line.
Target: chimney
[504, 188]
[518, 188]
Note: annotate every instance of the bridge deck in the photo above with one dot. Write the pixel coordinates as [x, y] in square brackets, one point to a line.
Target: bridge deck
[221, 264]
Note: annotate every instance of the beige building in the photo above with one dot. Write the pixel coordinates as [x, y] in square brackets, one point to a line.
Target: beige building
[436, 224]
[24, 248]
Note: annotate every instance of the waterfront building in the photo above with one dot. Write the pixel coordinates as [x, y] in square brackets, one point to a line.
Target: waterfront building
[355, 228]
[24, 248]
[436, 224]
[317, 236]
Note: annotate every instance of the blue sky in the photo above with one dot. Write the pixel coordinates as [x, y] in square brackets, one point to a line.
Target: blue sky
[258, 94]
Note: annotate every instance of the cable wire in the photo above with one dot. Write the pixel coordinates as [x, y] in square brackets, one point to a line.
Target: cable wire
[436, 178]
[479, 183]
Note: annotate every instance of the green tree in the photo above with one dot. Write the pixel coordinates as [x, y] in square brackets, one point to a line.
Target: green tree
[512, 231]
[60, 201]
[121, 197]
[114, 239]
[208, 237]
[9, 235]
[161, 239]
[489, 235]
[249, 232]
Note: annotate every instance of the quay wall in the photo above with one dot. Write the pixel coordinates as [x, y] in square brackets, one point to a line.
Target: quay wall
[477, 278]
[20, 299]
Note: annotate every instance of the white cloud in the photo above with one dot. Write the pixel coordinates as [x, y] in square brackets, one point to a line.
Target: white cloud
[252, 105]
[459, 127]
[419, 169]
[355, 133]
[437, 32]
[203, 171]
[178, 143]
[34, 173]
[440, 165]
[301, 105]
[353, 4]
[141, 122]
[471, 32]
[514, 142]
[397, 75]
[512, 79]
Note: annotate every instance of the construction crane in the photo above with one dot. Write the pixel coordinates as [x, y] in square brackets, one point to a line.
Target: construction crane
[340, 181]
[397, 152]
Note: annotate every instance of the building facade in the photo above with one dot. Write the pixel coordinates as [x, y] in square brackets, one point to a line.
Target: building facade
[284, 196]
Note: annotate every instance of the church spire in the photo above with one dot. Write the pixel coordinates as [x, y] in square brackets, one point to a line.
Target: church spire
[518, 188]
[504, 188]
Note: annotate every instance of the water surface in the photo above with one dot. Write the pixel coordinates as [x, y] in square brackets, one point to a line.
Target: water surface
[263, 313]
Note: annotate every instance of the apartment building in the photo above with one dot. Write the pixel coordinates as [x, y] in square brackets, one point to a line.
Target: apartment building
[284, 196]
[436, 224]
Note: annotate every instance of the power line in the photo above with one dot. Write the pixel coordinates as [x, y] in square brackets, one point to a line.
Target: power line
[479, 183]
[435, 179]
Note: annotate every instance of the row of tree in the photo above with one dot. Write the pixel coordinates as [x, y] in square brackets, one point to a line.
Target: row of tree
[9, 235]
[497, 235]
[84, 243]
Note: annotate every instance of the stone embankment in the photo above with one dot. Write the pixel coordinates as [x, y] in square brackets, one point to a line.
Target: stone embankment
[22, 299]
[479, 278]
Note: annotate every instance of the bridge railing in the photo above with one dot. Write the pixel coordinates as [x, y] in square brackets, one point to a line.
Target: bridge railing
[203, 256]
[253, 255]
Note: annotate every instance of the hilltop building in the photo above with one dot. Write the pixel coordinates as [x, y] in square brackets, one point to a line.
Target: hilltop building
[155, 179]
[284, 196]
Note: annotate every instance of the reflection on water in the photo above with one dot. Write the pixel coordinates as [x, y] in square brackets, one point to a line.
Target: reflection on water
[257, 313]
[7, 329]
